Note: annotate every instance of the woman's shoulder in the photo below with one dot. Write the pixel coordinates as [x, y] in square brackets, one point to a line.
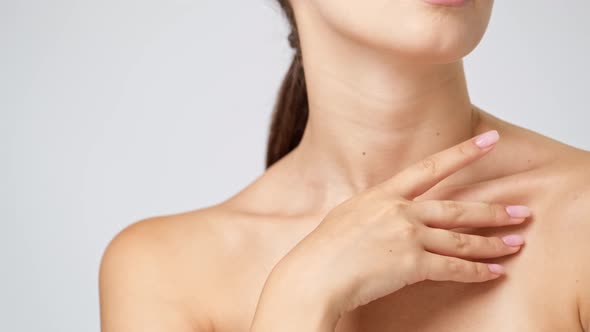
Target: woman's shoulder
[565, 216]
[524, 150]
[568, 226]
[562, 169]
[204, 235]
[182, 259]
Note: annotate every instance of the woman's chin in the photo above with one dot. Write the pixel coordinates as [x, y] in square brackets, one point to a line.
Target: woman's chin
[430, 53]
[433, 47]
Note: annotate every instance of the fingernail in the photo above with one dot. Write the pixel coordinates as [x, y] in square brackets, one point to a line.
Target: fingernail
[516, 220]
[487, 139]
[496, 268]
[518, 211]
[513, 240]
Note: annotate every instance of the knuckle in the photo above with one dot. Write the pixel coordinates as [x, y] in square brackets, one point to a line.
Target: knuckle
[408, 232]
[501, 213]
[418, 269]
[494, 215]
[497, 244]
[416, 208]
[398, 206]
[481, 271]
[461, 241]
[454, 267]
[429, 165]
[454, 208]
[493, 245]
[464, 149]
[409, 261]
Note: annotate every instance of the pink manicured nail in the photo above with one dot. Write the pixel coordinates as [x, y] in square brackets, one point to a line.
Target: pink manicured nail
[487, 139]
[513, 240]
[516, 220]
[496, 268]
[518, 211]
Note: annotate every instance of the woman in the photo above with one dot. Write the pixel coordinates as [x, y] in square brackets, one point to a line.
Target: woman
[390, 202]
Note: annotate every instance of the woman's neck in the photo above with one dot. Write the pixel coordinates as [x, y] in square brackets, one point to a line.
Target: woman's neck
[368, 122]
[372, 111]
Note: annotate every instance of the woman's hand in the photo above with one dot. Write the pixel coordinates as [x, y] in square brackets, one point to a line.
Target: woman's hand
[381, 240]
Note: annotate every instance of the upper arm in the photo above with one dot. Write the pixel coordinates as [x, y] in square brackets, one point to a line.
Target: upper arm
[139, 283]
[583, 259]
[576, 219]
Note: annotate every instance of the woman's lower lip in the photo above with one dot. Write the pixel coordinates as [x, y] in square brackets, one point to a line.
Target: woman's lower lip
[447, 2]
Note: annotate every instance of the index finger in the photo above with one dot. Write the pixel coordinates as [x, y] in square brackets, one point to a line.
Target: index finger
[423, 175]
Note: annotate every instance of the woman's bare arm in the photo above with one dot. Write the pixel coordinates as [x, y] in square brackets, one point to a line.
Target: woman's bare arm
[565, 237]
[139, 282]
[575, 226]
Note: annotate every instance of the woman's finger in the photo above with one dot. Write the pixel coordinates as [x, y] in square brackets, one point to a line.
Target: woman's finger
[445, 268]
[456, 214]
[449, 243]
[423, 175]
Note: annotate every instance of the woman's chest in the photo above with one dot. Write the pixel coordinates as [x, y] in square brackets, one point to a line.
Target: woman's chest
[445, 306]
[522, 301]
[533, 296]
[529, 298]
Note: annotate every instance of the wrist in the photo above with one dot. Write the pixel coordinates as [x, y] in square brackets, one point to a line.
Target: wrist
[293, 300]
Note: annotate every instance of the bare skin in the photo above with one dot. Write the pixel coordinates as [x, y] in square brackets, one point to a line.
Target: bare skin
[381, 97]
[204, 270]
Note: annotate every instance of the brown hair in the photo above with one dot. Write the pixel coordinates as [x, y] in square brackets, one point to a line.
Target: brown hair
[290, 113]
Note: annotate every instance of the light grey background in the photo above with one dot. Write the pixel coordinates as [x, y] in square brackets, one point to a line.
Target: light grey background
[113, 111]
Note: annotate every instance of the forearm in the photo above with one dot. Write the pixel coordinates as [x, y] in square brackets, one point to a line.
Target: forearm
[292, 302]
[280, 313]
